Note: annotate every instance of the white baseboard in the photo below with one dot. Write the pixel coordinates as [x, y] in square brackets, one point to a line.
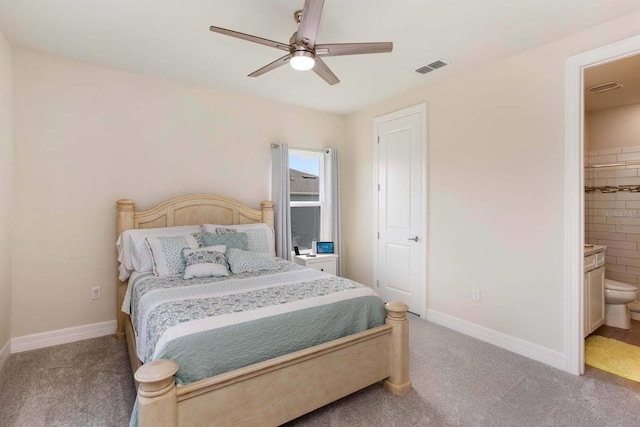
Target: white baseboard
[62, 336]
[524, 348]
[5, 353]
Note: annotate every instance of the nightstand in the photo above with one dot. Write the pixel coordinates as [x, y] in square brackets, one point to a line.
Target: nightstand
[323, 262]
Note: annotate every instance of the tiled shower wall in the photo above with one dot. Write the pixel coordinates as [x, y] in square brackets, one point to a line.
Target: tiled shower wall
[613, 219]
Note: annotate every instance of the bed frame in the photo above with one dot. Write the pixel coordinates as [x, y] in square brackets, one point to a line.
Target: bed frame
[267, 393]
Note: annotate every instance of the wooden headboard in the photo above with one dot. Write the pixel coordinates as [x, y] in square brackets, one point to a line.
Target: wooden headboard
[193, 209]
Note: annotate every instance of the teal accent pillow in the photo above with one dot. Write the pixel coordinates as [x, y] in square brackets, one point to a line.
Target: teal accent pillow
[232, 240]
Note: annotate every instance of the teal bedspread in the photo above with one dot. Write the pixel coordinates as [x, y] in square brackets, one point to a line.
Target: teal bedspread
[214, 326]
[211, 326]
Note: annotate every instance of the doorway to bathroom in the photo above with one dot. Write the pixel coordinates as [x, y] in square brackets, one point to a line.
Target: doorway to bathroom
[611, 111]
[603, 195]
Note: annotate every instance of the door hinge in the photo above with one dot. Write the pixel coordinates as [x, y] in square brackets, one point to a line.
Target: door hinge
[377, 283]
[378, 187]
[378, 140]
[378, 235]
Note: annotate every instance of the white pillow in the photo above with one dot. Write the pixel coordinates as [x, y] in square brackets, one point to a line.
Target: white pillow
[124, 257]
[140, 253]
[166, 253]
[260, 237]
[205, 262]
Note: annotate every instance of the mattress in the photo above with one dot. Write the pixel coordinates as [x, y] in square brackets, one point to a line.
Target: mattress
[215, 325]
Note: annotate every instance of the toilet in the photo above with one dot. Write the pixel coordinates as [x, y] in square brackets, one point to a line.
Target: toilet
[616, 297]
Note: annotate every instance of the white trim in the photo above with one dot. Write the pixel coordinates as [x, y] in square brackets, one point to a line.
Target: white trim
[62, 336]
[516, 345]
[422, 110]
[574, 193]
[4, 354]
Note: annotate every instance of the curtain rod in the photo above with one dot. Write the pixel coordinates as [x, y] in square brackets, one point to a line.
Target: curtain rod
[317, 150]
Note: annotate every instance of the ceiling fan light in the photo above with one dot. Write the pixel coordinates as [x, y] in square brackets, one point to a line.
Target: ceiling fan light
[302, 60]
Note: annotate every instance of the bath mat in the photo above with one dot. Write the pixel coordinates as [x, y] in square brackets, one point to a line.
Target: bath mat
[613, 356]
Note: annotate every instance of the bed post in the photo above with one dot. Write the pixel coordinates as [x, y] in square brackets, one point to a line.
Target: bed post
[267, 212]
[398, 382]
[124, 221]
[157, 394]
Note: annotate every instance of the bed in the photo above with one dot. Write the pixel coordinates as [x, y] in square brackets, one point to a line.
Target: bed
[269, 392]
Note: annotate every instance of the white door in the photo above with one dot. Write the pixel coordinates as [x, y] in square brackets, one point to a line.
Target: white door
[400, 208]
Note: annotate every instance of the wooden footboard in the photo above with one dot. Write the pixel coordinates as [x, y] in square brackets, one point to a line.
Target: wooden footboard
[279, 390]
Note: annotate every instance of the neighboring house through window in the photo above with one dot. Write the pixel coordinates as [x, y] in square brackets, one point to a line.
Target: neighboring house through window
[306, 174]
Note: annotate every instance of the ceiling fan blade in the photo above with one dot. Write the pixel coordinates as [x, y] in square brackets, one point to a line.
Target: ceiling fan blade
[323, 71]
[338, 49]
[275, 64]
[248, 37]
[309, 23]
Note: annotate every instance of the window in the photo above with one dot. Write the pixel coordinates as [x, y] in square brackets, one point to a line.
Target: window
[306, 174]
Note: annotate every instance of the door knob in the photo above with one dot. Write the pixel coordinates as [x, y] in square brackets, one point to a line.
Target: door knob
[415, 239]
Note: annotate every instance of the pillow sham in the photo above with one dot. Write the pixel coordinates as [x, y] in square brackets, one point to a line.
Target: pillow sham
[260, 237]
[166, 253]
[205, 262]
[133, 252]
[124, 257]
[140, 253]
[226, 230]
[246, 261]
[232, 240]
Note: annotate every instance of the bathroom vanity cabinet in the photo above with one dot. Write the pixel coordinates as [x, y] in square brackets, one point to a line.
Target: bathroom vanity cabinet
[593, 288]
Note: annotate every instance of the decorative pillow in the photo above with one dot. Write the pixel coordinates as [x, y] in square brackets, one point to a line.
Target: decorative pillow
[260, 237]
[166, 253]
[133, 252]
[226, 231]
[205, 262]
[142, 255]
[232, 240]
[244, 261]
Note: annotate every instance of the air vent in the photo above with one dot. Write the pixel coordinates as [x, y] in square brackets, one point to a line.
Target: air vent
[437, 64]
[431, 67]
[605, 87]
[424, 70]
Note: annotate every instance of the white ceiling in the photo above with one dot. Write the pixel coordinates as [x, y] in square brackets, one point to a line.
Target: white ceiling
[624, 71]
[170, 38]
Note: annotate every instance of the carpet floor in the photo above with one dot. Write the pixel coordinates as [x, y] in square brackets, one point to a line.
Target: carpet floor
[457, 381]
[85, 383]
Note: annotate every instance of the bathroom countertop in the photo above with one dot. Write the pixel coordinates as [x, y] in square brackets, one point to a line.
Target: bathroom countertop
[588, 250]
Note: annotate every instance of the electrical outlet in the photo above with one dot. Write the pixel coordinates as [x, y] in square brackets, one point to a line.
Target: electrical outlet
[475, 294]
[95, 292]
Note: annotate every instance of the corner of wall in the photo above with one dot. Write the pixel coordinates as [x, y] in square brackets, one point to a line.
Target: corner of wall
[6, 193]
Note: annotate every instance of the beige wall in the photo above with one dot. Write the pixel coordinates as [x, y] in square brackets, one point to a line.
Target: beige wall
[6, 193]
[88, 135]
[613, 127]
[496, 165]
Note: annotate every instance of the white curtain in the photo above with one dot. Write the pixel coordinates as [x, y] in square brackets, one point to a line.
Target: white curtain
[331, 214]
[280, 198]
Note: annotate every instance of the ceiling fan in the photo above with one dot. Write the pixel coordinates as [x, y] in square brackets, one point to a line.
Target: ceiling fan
[302, 51]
